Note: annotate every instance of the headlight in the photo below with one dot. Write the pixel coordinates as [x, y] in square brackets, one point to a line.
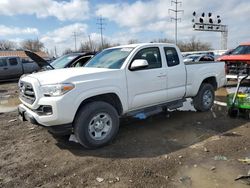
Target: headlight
[56, 90]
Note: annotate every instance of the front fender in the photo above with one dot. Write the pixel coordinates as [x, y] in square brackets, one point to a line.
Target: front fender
[100, 91]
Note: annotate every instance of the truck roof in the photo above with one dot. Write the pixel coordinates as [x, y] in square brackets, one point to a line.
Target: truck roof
[142, 44]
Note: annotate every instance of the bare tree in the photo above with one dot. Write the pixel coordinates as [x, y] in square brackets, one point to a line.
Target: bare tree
[95, 46]
[7, 45]
[67, 51]
[163, 40]
[133, 41]
[87, 47]
[32, 45]
[106, 44]
[194, 45]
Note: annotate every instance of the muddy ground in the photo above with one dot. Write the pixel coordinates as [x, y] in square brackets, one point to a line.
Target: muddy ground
[181, 149]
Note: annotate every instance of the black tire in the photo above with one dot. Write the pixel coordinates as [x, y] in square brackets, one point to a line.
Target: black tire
[200, 102]
[84, 119]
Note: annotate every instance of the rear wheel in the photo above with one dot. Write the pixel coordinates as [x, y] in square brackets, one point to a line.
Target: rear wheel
[96, 124]
[204, 100]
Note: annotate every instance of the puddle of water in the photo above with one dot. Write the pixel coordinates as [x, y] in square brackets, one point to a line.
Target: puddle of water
[8, 104]
[202, 176]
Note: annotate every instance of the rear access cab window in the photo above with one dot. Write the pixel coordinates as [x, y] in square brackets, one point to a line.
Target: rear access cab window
[171, 56]
[13, 61]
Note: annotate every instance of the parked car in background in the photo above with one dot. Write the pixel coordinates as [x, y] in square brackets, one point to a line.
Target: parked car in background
[118, 82]
[212, 53]
[237, 61]
[198, 58]
[14, 67]
[65, 61]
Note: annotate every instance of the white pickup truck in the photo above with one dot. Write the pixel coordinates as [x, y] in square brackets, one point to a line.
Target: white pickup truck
[120, 81]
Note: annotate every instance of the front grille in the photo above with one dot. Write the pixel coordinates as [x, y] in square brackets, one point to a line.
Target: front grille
[27, 93]
[237, 68]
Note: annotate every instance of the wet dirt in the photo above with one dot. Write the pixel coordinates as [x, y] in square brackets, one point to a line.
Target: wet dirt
[167, 150]
[8, 97]
[8, 104]
[206, 176]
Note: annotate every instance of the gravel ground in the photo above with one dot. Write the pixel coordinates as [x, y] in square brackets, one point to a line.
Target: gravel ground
[181, 149]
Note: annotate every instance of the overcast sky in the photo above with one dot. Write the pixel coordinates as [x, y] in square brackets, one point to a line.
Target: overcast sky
[54, 21]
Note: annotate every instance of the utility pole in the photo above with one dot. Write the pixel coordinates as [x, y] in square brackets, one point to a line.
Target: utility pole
[224, 37]
[176, 19]
[100, 23]
[75, 35]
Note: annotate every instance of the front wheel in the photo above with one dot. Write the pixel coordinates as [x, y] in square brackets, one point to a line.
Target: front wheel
[96, 124]
[204, 100]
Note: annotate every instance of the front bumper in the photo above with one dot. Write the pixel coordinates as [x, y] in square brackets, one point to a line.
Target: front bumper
[25, 114]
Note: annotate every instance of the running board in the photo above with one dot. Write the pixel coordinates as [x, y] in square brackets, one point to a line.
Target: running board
[149, 111]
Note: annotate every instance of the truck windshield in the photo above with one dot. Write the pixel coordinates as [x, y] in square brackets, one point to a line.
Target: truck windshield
[63, 61]
[110, 58]
[241, 50]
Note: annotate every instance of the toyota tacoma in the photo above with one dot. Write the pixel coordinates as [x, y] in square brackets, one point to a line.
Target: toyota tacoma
[118, 82]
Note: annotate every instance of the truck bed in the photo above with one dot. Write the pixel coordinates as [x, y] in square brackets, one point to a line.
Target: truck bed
[196, 69]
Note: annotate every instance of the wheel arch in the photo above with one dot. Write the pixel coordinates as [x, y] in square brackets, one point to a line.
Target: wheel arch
[110, 98]
[211, 80]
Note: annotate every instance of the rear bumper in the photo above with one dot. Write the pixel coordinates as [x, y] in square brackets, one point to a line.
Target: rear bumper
[25, 114]
[233, 76]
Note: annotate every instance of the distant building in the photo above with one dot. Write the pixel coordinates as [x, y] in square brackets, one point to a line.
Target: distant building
[22, 55]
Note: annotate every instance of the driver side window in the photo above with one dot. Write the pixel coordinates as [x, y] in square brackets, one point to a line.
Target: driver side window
[152, 55]
[3, 62]
[81, 62]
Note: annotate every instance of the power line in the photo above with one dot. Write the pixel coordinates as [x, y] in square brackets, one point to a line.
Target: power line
[100, 23]
[176, 19]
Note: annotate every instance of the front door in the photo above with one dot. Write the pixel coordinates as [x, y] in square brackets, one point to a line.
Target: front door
[3, 69]
[15, 68]
[147, 86]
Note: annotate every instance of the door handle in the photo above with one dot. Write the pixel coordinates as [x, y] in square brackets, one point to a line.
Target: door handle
[5, 68]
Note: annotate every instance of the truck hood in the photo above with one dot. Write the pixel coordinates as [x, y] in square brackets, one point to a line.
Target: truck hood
[67, 75]
[37, 59]
[234, 58]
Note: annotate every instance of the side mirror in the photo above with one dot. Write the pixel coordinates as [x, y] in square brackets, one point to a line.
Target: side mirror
[138, 64]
